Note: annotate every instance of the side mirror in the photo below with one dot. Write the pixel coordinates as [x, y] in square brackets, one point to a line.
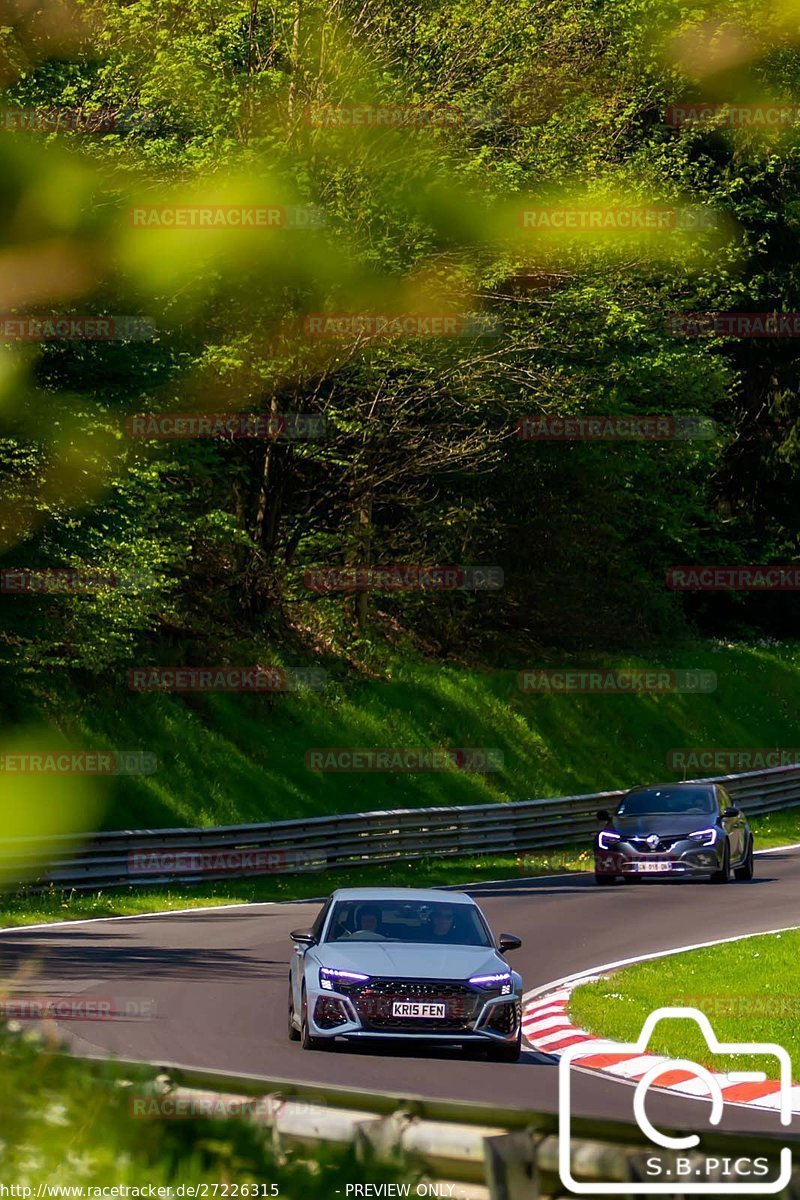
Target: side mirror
[603, 815]
[507, 941]
[303, 937]
[732, 811]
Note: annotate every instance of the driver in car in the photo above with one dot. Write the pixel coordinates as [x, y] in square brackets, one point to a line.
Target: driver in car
[368, 920]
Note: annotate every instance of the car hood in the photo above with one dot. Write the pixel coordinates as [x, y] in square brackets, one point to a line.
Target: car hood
[663, 823]
[404, 961]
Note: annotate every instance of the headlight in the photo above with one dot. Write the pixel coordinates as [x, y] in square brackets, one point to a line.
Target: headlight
[606, 839]
[500, 982]
[706, 837]
[329, 978]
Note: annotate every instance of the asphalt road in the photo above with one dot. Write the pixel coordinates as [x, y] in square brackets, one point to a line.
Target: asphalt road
[209, 989]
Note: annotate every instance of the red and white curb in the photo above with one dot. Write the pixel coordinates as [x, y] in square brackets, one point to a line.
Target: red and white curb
[547, 1028]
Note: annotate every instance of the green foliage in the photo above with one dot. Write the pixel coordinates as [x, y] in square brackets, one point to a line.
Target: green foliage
[211, 104]
[228, 759]
[555, 104]
[60, 1115]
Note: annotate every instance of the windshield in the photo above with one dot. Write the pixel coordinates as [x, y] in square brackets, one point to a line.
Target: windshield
[429, 922]
[668, 800]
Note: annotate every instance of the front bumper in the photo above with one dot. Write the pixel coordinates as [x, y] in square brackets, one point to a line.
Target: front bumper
[685, 859]
[481, 1019]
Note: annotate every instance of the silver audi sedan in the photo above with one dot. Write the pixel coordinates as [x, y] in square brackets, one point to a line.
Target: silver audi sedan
[405, 963]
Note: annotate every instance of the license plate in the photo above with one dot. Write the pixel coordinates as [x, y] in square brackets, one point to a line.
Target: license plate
[652, 866]
[418, 1008]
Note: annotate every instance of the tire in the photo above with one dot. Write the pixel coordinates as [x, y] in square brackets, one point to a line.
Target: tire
[604, 880]
[724, 873]
[507, 1054]
[294, 1034]
[309, 1042]
[746, 870]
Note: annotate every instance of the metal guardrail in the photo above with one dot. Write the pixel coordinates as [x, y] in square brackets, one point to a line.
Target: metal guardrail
[143, 858]
[486, 1151]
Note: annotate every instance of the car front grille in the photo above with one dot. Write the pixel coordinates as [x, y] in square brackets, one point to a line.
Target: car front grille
[663, 846]
[373, 1003]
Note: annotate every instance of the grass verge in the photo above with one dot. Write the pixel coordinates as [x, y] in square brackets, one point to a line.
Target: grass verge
[747, 989]
[55, 906]
[237, 758]
[64, 1124]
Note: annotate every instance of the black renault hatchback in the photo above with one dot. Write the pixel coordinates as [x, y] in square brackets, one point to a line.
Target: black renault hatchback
[674, 830]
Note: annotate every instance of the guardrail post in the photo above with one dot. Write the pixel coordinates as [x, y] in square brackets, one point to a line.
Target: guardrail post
[512, 1171]
[381, 1138]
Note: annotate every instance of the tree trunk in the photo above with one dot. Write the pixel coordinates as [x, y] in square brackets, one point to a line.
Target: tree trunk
[362, 549]
[266, 523]
[298, 16]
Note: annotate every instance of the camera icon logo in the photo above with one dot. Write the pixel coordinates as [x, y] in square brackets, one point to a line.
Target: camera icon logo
[683, 1174]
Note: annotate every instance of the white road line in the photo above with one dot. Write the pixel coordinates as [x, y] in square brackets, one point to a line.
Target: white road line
[774, 1101]
[66, 923]
[185, 912]
[696, 1086]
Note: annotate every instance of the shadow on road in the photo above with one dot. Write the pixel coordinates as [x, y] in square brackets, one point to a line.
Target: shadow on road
[558, 886]
[386, 1048]
[78, 955]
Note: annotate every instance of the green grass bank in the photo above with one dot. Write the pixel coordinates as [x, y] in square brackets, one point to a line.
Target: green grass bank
[226, 759]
